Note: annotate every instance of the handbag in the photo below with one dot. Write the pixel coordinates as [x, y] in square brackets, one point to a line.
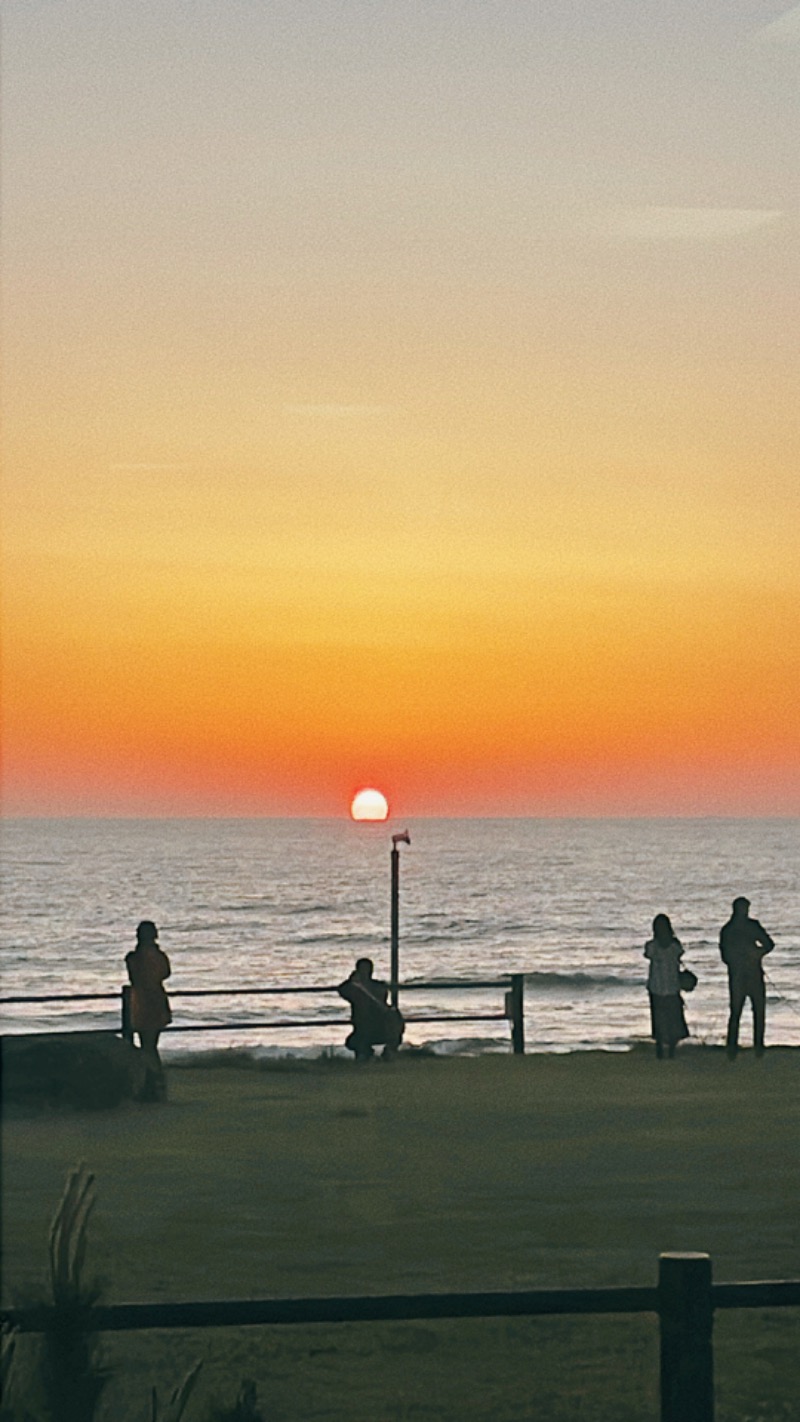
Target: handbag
[687, 980]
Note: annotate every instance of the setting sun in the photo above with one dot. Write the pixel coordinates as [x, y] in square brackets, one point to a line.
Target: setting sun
[369, 805]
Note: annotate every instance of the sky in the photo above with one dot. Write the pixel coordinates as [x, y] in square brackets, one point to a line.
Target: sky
[401, 394]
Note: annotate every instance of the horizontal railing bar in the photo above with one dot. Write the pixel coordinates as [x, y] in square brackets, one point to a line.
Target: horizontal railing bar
[238, 1026]
[327, 1022]
[293, 1022]
[243, 992]
[765, 1293]
[330, 987]
[457, 1017]
[383, 1308]
[455, 984]
[64, 997]
[256, 991]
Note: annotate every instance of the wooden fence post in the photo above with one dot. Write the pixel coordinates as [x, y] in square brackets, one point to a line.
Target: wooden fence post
[127, 1025]
[686, 1315]
[517, 1013]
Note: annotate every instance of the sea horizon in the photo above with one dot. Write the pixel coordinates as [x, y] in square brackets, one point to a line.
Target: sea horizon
[395, 818]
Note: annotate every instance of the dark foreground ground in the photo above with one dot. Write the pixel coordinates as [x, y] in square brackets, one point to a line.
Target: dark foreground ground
[429, 1175]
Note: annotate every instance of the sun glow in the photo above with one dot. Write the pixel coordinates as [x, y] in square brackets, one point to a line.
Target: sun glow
[369, 805]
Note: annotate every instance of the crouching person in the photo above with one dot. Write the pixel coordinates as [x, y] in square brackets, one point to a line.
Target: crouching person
[374, 1022]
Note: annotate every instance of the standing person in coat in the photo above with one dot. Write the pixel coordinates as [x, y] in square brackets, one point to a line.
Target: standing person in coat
[148, 967]
[743, 945]
[667, 1020]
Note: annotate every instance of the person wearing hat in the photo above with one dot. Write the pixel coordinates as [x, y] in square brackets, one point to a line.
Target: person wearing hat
[150, 1011]
[743, 944]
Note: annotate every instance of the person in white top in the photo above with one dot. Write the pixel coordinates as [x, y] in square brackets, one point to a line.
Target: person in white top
[667, 1020]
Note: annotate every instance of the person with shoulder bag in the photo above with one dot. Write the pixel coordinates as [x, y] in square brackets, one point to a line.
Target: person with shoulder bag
[667, 1019]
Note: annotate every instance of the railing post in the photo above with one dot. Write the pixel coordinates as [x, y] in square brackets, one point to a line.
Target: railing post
[127, 1022]
[394, 968]
[686, 1315]
[515, 1010]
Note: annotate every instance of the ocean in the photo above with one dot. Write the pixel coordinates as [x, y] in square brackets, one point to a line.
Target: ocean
[292, 903]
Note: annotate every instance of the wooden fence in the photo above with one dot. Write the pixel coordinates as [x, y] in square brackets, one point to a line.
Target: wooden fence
[684, 1300]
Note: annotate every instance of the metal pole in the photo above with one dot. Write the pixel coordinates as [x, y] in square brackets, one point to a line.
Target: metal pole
[686, 1313]
[517, 996]
[394, 971]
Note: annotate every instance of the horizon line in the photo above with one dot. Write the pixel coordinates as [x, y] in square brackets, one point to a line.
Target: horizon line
[395, 819]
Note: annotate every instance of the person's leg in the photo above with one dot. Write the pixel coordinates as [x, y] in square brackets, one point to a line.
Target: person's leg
[360, 1045]
[148, 1042]
[155, 1086]
[394, 1035]
[737, 997]
[655, 1025]
[676, 1028]
[758, 997]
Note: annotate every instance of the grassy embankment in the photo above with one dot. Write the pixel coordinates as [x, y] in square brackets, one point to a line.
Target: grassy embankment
[428, 1175]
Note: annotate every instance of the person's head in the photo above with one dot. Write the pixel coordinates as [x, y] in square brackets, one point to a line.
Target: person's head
[662, 929]
[146, 932]
[364, 967]
[741, 907]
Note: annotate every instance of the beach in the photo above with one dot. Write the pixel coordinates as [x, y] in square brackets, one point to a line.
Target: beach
[426, 1175]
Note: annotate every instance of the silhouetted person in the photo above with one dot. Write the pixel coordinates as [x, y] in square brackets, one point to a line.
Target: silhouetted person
[743, 944]
[667, 1020]
[374, 1021]
[147, 968]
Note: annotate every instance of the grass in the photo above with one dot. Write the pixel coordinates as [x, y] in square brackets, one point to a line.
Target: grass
[428, 1175]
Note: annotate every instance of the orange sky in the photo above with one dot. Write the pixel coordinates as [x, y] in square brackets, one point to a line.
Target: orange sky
[457, 457]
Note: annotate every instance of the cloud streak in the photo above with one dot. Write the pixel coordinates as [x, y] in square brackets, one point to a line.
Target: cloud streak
[126, 467]
[687, 224]
[784, 30]
[336, 412]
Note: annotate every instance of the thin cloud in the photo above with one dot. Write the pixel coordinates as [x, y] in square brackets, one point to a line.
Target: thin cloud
[784, 30]
[336, 412]
[144, 468]
[687, 224]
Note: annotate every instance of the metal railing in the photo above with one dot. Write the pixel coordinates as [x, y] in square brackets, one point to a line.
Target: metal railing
[684, 1300]
[513, 1006]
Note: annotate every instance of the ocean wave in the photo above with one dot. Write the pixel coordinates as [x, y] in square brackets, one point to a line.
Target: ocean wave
[537, 979]
[258, 907]
[302, 910]
[558, 981]
[346, 936]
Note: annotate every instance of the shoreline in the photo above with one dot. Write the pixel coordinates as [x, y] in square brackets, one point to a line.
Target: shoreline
[337, 1057]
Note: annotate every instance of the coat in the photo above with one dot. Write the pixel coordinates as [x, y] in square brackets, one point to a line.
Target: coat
[147, 968]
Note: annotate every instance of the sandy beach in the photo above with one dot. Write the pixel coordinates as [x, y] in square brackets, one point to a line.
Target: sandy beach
[427, 1175]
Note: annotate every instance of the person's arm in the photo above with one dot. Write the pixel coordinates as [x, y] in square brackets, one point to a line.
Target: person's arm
[765, 943]
[166, 966]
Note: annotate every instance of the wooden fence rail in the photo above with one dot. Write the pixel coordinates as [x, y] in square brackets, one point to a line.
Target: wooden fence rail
[684, 1300]
[513, 1006]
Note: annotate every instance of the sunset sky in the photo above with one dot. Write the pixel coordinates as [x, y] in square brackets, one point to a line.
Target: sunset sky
[401, 394]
